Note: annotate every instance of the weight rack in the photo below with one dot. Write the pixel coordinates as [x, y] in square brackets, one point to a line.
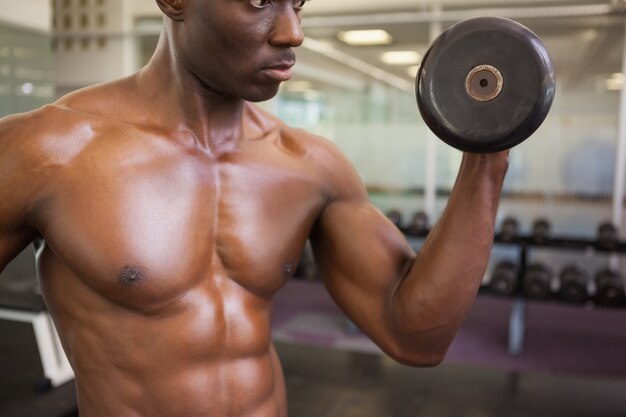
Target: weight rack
[517, 321]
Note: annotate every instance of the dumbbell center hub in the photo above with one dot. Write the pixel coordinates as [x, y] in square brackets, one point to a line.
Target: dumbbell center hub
[484, 83]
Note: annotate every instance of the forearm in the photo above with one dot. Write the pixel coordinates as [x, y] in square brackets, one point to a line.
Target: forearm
[442, 282]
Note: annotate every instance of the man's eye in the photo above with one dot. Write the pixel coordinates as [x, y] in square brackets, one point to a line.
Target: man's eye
[260, 4]
[298, 4]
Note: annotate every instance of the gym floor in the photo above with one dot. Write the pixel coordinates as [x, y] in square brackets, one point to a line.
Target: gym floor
[325, 381]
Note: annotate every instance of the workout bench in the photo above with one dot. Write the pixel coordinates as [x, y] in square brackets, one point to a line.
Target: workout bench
[30, 308]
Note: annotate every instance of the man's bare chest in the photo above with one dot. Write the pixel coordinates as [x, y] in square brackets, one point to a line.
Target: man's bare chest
[160, 224]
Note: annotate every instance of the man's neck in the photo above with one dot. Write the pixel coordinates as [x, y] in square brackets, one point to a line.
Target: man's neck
[182, 103]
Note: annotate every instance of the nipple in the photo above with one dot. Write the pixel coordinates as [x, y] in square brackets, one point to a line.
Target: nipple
[131, 275]
[288, 270]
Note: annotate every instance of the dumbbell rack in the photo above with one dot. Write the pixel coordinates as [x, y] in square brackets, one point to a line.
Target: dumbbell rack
[517, 321]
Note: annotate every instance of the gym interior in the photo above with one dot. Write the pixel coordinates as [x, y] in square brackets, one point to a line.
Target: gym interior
[546, 336]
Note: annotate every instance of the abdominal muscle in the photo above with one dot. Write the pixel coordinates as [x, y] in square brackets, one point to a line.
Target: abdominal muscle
[245, 387]
[206, 353]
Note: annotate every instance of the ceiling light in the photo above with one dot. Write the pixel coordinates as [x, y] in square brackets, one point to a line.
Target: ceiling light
[589, 35]
[613, 84]
[400, 58]
[365, 37]
[28, 88]
[412, 71]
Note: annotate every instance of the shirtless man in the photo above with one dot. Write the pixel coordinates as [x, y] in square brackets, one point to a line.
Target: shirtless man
[172, 211]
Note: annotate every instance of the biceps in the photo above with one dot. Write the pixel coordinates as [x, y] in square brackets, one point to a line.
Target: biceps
[355, 244]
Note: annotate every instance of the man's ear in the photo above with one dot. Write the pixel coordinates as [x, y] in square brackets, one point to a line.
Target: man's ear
[172, 8]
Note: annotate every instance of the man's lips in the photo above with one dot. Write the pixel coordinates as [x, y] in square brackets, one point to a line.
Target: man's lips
[279, 72]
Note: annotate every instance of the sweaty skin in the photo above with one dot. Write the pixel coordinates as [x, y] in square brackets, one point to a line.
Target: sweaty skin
[173, 210]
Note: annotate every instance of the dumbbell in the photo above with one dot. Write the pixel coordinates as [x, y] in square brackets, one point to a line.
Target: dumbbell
[607, 236]
[395, 217]
[536, 281]
[573, 284]
[485, 85]
[541, 230]
[609, 288]
[509, 229]
[419, 225]
[504, 278]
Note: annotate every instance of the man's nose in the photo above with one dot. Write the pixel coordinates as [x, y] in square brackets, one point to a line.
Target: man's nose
[287, 29]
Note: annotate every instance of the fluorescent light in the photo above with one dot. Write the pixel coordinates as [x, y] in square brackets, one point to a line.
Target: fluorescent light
[359, 65]
[589, 35]
[400, 57]
[613, 84]
[412, 70]
[28, 88]
[365, 37]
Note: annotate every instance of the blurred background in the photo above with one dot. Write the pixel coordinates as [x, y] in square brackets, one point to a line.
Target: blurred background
[520, 352]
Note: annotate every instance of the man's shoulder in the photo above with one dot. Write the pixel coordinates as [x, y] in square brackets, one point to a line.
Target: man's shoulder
[24, 130]
[321, 154]
[97, 101]
[263, 123]
[71, 119]
[47, 136]
[75, 108]
[320, 150]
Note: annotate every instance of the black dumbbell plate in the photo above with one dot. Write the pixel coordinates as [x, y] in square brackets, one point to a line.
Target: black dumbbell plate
[485, 85]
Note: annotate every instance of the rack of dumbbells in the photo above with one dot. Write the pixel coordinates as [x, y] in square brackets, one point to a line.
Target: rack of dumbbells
[572, 284]
[521, 280]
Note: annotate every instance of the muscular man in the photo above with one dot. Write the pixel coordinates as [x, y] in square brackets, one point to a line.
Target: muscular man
[173, 210]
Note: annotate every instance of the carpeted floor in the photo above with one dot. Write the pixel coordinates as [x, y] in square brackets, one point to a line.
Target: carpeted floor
[559, 339]
[571, 365]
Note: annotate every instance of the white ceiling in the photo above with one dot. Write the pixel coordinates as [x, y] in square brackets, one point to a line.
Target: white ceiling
[585, 49]
[361, 6]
